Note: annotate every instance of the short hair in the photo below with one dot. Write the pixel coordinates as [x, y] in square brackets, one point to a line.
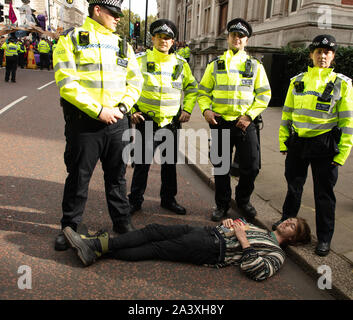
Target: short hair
[91, 9]
[303, 233]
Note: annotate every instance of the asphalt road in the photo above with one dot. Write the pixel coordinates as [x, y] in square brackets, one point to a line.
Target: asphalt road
[32, 174]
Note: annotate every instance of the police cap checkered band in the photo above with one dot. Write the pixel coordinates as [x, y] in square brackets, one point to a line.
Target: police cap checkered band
[240, 25]
[164, 26]
[324, 41]
[111, 3]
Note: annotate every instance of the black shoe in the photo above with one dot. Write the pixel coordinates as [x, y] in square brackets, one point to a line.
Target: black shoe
[6, 80]
[60, 242]
[88, 248]
[322, 249]
[173, 206]
[134, 207]
[276, 224]
[219, 214]
[248, 210]
[14, 81]
[123, 228]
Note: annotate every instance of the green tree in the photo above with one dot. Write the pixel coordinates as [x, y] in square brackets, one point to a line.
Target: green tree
[123, 26]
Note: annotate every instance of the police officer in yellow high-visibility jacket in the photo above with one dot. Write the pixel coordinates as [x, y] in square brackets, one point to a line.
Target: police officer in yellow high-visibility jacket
[99, 81]
[11, 53]
[44, 49]
[167, 76]
[317, 130]
[232, 93]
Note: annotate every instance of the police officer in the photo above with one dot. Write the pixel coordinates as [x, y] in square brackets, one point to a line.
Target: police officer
[11, 54]
[21, 53]
[232, 93]
[166, 77]
[317, 130]
[99, 81]
[44, 49]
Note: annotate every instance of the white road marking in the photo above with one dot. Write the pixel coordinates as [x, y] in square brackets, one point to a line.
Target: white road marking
[48, 84]
[12, 104]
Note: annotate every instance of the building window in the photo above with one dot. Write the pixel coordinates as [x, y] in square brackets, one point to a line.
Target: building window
[198, 19]
[207, 20]
[269, 4]
[294, 5]
[223, 16]
[188, 23]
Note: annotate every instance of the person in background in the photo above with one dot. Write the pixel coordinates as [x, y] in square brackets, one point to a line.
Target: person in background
[11, 54]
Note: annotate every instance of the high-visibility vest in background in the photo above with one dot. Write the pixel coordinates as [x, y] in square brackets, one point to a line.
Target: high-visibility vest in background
[43, 47]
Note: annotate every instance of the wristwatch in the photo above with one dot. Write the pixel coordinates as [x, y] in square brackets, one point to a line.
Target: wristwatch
[122, 108]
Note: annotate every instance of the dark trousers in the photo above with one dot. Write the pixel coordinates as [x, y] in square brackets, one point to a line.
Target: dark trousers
[247, 146]
[325, 177]
[168, 189]
[44, 60]
[21, 60]
[87, 141]
[11, 67]
[180, 243]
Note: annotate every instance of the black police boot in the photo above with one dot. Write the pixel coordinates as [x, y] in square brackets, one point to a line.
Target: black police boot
[322, 249]
[60, 242]
[88, 248]
[247, 210]
[219, 214]
[123, 227]
[173, 206]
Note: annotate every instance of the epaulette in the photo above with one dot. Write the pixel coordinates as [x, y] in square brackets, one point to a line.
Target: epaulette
[180, 57]
[140, 54]
[254, 58]
[344, 78]
[67, 31]
[297, 76]
[214, 59]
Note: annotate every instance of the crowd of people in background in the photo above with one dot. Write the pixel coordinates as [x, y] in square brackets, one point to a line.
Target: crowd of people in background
[33, 52]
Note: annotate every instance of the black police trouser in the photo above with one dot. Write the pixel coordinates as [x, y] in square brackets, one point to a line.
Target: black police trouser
[11, 67]
[87, 141]
[325, 176]
[247, 145]
[21, 59]
[182, 243]
[44, 60]
[168, 189]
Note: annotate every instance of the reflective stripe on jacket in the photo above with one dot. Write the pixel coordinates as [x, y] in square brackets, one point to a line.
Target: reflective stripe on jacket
[11, 49]
[162, 94]
[310, 117]
[90, 73]
[229, 91]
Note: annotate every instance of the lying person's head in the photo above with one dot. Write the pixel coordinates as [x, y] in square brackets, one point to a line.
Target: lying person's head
[293, 231]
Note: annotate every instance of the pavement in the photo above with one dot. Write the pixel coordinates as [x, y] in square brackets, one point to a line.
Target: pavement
[269, 195]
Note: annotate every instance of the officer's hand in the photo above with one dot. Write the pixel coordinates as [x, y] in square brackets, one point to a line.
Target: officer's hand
[137, 117]
[109, 116]
[284, 152]
[243, 122]
[184, 117]
[210, 116]
[228, 223]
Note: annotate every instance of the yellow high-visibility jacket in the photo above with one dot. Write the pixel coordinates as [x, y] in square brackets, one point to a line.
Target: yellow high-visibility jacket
[227, 89]
[90, 71]
[162, 89]
[43, 47]
[11, 49]
[310, 117]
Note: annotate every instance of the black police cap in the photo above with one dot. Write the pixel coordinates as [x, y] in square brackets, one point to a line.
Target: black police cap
[324, 41]
[112, 5]
[240, 25]
[164, 26]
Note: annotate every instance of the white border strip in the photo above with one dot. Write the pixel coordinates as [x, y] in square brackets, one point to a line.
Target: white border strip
[12, 104]
[48, 84]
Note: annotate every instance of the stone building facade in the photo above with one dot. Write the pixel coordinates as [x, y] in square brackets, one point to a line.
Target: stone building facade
[62, 14]
[276, 23]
